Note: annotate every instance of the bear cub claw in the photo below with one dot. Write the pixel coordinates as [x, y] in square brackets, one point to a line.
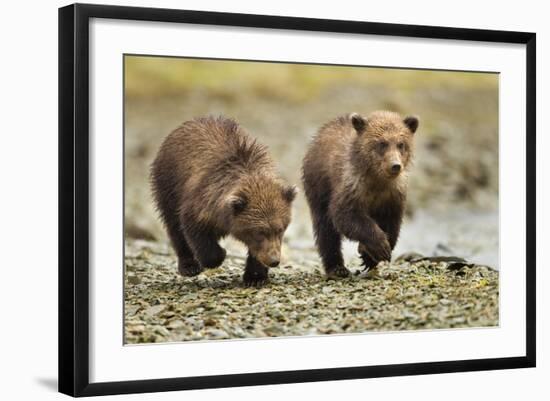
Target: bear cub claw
[338, 272]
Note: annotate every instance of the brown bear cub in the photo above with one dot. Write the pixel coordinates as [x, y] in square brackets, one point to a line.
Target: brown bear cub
[210, 180]
[355, 179]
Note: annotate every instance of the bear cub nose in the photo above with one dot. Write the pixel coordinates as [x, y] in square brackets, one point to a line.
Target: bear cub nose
[274, 263]
[396, 168]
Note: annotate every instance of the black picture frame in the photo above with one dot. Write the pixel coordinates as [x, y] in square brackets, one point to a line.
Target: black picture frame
[74, 194]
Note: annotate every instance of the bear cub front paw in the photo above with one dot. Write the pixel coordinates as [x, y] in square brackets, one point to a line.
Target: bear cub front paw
[255, 274]
[378, 250]
[255, 278]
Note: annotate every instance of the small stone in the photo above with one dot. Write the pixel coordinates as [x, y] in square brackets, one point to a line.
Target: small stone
[154, 310]
[176, 324]
[194, 323]
[130, 310]
[218, 333]
[133, 279]
[136, 329]
[168, 314]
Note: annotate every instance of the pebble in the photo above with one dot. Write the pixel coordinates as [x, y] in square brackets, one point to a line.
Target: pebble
[133, 279]
[154, 310]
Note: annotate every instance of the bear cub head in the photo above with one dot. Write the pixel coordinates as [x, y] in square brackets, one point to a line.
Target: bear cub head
[261, 212]
[384, 142]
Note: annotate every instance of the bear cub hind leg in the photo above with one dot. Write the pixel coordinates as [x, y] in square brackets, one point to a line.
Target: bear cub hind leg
[187, 264]
[206, 248]
[329, 243]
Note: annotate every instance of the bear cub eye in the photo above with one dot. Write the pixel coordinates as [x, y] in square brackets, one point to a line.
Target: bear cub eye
[382, 146]
[401, 146]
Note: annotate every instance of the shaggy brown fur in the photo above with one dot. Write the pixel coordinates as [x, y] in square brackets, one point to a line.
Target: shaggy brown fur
[210, 179]
[355, 179]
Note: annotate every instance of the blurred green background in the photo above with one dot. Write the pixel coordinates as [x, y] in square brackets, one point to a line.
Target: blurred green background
[453, 190]
[159, 76]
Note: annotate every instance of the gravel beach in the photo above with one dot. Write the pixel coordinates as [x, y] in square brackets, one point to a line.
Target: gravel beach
[162, 306]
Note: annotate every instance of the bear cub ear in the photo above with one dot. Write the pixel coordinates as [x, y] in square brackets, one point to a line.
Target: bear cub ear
[289, 193]
[358, 122]
[238, 203]
[412, 123]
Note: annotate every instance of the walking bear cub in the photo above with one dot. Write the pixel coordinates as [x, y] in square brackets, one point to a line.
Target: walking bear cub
[210, 180]
[355, 179]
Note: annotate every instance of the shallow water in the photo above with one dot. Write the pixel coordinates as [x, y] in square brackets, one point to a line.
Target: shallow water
[472, 235]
